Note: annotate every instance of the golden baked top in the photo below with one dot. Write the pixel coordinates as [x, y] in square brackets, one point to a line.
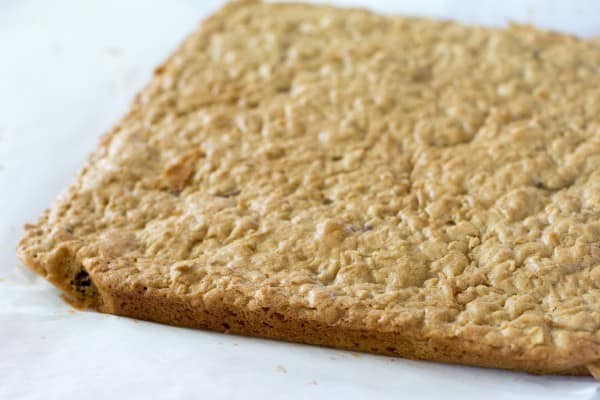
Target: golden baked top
[371, 172]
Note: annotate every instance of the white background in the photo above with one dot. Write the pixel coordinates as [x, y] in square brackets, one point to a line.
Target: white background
[68, 69]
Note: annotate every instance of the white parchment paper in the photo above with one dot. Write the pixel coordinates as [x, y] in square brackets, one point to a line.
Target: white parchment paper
[68, 69]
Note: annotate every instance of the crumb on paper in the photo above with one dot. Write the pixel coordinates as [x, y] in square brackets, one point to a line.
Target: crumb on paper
[114, 51]
[281, 368]
[70, 312]
[135, 321]
[313, 382]
[355, 355]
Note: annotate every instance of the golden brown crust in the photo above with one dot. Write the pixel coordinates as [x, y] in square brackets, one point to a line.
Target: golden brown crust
[272, 324]
[328, 176]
